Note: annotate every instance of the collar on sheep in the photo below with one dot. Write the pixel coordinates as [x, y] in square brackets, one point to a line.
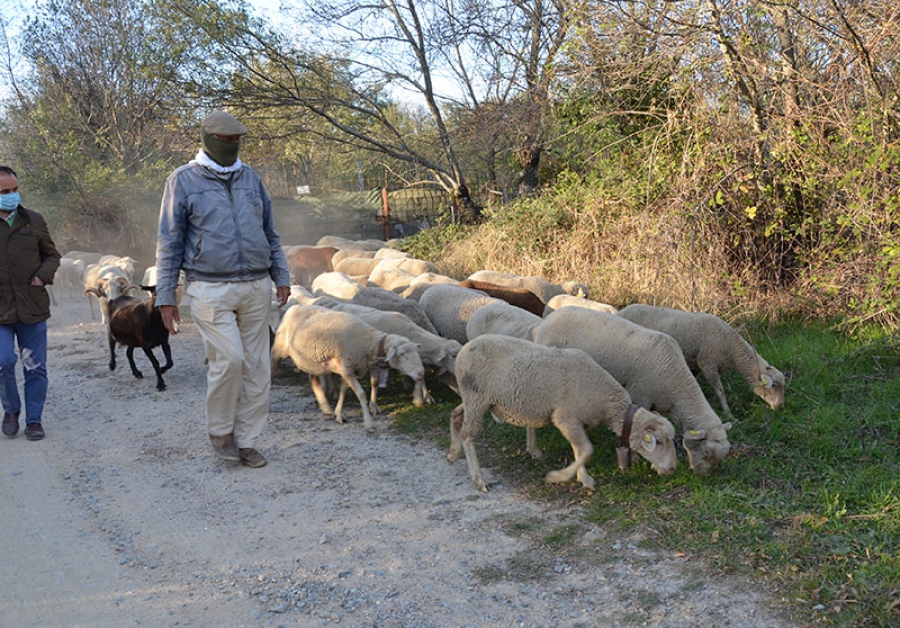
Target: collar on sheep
[383, 369]
[623, 451]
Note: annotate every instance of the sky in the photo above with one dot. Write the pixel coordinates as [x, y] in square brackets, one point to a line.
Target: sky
[13, 14]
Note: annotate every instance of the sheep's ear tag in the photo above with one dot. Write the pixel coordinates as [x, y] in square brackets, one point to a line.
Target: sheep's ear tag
[767, 381]
[623, 455]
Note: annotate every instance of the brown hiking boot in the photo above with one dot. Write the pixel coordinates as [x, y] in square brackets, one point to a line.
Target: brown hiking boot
[225, 448]
[252, 458]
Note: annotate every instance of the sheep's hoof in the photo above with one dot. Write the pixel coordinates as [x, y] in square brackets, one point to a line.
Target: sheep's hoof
[452, 457]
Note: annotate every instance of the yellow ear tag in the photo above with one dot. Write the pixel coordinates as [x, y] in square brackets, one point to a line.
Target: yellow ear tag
[647, 437]
[695, 433]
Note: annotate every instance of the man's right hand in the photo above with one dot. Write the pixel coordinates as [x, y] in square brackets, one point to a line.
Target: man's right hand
[170, 317]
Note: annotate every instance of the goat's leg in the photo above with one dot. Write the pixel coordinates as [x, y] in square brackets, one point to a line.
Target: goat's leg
[112, 353]
[167, 351]
[160, 384]
[134, 369]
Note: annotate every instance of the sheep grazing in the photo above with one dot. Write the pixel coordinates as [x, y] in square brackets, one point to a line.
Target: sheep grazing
[388, 301]
[530, 385]
[568, 300]
[651, 367]
[336, 284]
[449, 308]
[421, 283]
[136, 323]
[504, 319]
[712, 346]
[519, 297]
[320, 341]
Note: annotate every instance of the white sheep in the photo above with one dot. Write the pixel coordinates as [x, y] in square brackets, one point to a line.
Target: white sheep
[530, 385]
[336, 284]
[320, 341]
[421, 283]
[356, 266]
[567, 300]
[651, 367]
[382, 299]
[389, 277]
[449, 308]
[545, 290]
[433, 349]
[149, 281]
[714, 347]
[123, 262]
[387, 252]
[70, 275]
[345, 253]
[504, 319]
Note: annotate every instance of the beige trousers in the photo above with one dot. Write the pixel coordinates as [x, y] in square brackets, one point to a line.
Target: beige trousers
[233, 319]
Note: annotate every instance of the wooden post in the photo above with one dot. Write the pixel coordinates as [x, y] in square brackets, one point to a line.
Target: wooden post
[385, 214]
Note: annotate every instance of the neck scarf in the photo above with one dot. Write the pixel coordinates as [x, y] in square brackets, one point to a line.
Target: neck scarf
[206, 161]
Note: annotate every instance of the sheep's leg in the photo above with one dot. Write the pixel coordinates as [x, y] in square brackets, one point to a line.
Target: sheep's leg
[715, 382]
[421, 395]
[582, 447]
[473, 418]
[91, 305]
[351, 381]
[339, 407]
[531, 444]
[316, 384]
[456, 421]
[373, 401]
[160, 384]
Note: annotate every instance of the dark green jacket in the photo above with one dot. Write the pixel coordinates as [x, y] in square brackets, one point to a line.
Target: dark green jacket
[26, 250]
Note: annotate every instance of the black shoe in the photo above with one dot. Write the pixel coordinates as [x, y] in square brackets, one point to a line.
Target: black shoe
[11, 423]
[34, 431]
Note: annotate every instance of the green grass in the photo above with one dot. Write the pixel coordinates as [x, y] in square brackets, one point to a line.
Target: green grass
[808, 500]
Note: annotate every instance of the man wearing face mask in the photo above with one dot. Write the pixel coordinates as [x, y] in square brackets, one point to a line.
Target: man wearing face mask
[216, 224]
[28, 261]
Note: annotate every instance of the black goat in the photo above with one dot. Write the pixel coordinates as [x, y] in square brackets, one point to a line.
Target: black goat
[135, 322]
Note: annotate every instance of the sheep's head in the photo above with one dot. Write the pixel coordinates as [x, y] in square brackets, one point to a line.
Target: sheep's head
[770, 386]
[653, 437]
[707, 448]
[446, 357]
[403, 355]
[576, 289]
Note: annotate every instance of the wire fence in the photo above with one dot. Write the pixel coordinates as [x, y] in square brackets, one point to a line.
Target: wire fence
[374, 214]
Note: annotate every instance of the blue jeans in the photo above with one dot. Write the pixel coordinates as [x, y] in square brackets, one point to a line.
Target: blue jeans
[33, 349]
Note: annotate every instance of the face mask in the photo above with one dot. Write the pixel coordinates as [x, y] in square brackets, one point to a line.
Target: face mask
[9, 202]
[223, 153]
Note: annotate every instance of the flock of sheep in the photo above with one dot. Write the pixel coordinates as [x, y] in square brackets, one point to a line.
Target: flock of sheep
[528, 351]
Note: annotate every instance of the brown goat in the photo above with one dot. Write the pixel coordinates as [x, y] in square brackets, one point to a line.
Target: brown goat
[136, 323]
[308, 262]
[519, 297]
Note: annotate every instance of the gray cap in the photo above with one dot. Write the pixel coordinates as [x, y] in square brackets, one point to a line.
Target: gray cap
[222, 123]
